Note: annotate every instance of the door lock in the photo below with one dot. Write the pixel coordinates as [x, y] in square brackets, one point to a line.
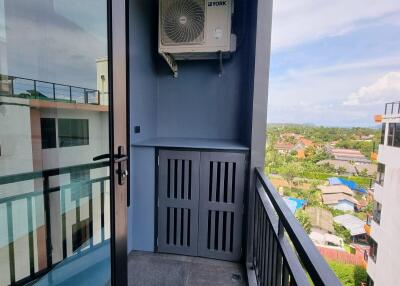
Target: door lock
[120, 158]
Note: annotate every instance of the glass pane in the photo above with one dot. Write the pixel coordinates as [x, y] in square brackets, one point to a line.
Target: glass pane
[54, 199]
[397, 135]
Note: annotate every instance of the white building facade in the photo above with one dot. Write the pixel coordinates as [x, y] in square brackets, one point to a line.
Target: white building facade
[384, 262]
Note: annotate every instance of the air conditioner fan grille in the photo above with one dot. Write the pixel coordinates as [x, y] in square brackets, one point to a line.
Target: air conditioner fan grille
[183, 21]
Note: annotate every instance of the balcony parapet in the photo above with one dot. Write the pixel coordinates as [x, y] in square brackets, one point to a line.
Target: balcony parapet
[20, 87]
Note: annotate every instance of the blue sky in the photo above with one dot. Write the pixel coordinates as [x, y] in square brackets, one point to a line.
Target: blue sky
[334, 63]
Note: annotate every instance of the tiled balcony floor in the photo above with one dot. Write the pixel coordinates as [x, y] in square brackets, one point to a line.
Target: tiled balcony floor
[173, 270]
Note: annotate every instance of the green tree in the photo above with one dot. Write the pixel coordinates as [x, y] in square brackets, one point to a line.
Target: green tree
[304, 220]
[342, 232]
[290, 172]
[349, 275]
[341, 170]
[363, 173]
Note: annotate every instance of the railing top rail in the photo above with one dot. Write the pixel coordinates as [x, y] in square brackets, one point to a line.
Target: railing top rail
[318, 269]
[389, 107]
[50, 172]
[11, 77]
[78, 186]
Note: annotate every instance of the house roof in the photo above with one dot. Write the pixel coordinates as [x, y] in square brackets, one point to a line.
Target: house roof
[320, 218]
[334, 239]
[371, 168]
[336, 189]
[333, 199]
[351, 223]
[352, 185]
[348, 155]
[306, 142]
[350, 169]
[283, 146]
[323, 239]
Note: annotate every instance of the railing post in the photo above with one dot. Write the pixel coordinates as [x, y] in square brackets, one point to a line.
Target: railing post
[12, 86]
[85, 94]
[49, 248]
[10, 229]
[54, 91]
[34, 88]
[70, 94]
[392, 107]
[281, 229]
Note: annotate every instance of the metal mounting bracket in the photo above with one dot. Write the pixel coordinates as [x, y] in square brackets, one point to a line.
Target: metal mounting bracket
[171, 63]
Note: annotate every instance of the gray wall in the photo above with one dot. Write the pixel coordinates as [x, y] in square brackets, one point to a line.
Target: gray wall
[141, 211]
[199, 104]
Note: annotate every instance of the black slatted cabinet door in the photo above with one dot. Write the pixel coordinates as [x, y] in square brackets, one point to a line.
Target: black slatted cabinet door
[221, 205]
[178, 194]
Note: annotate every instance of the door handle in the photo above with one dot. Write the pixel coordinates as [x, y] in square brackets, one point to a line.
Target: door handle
[122, 170]
[119, 159]
[101, 157]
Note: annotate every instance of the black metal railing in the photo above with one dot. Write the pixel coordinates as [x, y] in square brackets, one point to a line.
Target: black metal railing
[47, 195]
[37, 89]
[392, 108]
[283, 254]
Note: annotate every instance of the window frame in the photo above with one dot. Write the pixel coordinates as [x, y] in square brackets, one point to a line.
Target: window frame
[46, 131]
[392, 128]
[383, 133]
[373, 250]
[380, 174]
[377, 212]
[68, 136]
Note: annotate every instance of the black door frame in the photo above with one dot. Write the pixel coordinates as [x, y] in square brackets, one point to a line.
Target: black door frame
[117, 26]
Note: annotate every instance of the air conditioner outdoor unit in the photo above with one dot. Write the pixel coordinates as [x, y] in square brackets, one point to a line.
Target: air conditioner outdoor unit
[195, 30]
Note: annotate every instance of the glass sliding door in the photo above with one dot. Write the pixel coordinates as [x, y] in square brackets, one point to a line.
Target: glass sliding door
[55, 184]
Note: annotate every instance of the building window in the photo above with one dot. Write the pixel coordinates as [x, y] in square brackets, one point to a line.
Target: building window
[373, 250]
[394, 135]
[380, 177]
[396, 142]
[392, 127]
[48, 133]
[383, 132]
[377, 212]
[73, 132]
[370, 282]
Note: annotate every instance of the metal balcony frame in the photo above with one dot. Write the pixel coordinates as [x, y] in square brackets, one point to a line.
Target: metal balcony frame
[45, 175]
[71, 99]
[282, 252]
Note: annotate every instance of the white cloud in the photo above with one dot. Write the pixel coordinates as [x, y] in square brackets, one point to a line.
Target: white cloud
[386, 88]
[318, 95]
[298, 22]
[377, 63]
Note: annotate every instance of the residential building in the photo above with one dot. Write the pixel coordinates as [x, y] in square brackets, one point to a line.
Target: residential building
[338, 197]
[347, 155]
[349, 169]
[327, 239]
[383, 262]
[354, 225]
[334, 181]
[283, 148]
